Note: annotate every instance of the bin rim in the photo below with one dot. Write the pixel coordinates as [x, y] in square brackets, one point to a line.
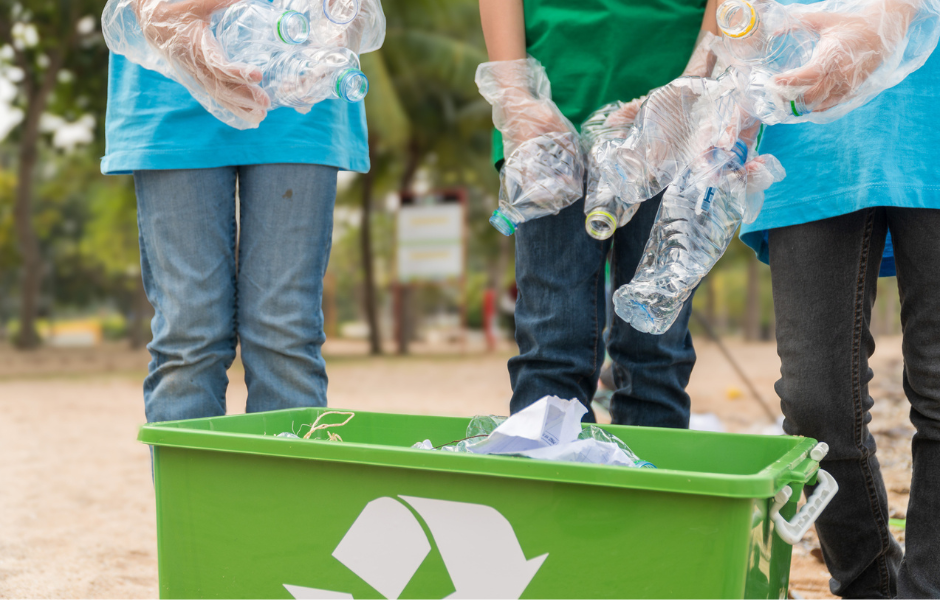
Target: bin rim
[795, 466]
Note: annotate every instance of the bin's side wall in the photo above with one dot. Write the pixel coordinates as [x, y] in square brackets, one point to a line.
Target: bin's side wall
[235, 525]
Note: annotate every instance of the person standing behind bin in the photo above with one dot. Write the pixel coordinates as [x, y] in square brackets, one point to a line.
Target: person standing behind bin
[216, 278]
[595, 52]
[823, 231]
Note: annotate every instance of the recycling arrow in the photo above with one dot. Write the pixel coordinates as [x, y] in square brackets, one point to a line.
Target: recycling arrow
[386, 545]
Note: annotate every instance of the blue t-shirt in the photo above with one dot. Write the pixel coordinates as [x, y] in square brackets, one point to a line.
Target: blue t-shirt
[882, 154]
[154, 123]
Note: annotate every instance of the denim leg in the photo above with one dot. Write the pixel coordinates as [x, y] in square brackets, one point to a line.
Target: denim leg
[917, 257]
[284, 248]
[186, 220]
[560, 310]
[650, 371]
[825, 276]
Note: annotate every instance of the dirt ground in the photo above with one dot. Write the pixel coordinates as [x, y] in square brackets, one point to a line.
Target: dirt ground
[76, 500]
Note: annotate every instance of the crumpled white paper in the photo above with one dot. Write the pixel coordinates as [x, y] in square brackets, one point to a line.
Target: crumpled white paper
[549, 430]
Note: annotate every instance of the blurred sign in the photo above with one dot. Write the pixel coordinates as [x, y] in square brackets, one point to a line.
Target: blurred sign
[430, 242]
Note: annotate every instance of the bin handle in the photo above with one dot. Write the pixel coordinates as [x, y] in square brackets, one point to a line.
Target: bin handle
[793, 531]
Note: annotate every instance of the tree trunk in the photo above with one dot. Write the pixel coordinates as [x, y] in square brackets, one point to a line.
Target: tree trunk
[752, 308]
[31, 279]
[365, 239]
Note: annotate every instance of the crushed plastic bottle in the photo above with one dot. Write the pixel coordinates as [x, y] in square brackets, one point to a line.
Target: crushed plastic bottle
[697, 220]
[482, 425]
[667, 134]
[328, 18]
[255, 31]
[764, 37]
[593, 432]
[301, 78]
[604, 211]
[543, 176]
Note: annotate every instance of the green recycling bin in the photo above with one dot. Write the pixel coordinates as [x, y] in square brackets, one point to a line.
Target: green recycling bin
[242, 513]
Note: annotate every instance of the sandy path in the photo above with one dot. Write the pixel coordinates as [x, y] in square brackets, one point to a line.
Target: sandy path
[76, 500]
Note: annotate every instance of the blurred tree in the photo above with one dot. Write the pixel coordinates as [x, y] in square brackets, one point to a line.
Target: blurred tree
[422, 106]
[54, 48]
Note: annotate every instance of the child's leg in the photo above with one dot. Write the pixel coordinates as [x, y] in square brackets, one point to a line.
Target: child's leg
[284, 248]
[186, 220]
[650, 371]
[560, 311]
[825, 276]
[917, 257]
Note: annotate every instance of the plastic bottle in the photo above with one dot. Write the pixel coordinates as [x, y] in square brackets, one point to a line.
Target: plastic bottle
[596, 433]
[603, 209]
[663, 141]
[697, 220]
[255, 31]
[328, 18]
[301, 78]
[542, 176]
[762, 36]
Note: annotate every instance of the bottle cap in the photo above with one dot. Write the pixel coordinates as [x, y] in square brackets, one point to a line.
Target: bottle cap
[502, 223]
[740, 151]
[737, 18]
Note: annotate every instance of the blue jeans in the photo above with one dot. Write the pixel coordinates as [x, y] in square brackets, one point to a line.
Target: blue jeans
[561, 312]
[212, 286]
[825, 276]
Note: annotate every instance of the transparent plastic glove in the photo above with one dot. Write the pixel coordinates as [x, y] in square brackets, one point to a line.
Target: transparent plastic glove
[762, 172]
[700, 213]
[175, 39]
[818, 62]
[544, 168]
[604, 212]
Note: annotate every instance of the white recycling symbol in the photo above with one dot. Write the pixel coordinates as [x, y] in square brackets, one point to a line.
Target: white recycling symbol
[386, 545]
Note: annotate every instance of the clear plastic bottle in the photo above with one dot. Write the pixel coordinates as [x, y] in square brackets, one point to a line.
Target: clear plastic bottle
[697, 220]
[301, 78]
[596, 433]
[663, 141]
[328, 18]
[762, 36]
[603, 209]
[483, 425]
[255, 31]
[541, 177]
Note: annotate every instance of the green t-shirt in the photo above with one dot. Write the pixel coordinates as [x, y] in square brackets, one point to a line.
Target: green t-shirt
[598, 51]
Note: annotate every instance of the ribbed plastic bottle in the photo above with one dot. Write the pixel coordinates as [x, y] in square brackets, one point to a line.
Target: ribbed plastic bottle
[301, 78]
[762, 36]
[697, 219]
[663, 140]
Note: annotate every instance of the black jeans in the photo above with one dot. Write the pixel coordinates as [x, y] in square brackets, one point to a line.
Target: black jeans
[824, 282]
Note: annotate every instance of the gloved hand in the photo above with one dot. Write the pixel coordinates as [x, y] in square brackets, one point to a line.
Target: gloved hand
[762, 172]
[180, 33]
[521, 96]
[852, 45]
